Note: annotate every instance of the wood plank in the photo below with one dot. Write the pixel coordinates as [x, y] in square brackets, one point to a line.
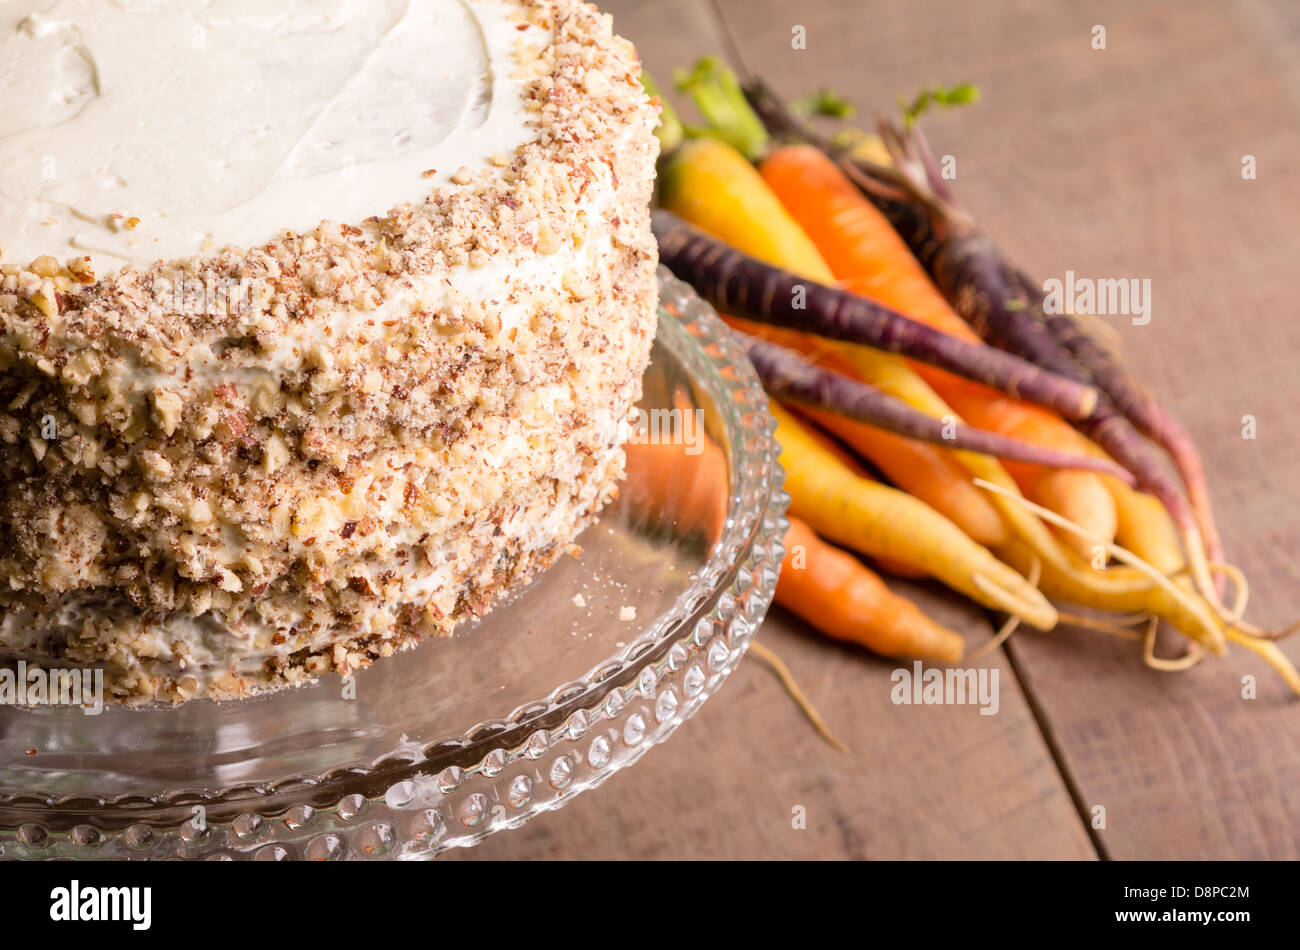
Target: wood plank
[1118, 163]
[920, 782]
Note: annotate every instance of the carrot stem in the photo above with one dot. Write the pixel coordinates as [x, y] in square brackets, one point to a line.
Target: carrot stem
[717, 94]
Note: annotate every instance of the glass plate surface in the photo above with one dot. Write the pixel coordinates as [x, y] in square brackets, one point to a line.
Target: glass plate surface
[548, 695]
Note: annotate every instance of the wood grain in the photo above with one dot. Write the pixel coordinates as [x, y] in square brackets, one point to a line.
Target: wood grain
[920, 782]
[1127, 162]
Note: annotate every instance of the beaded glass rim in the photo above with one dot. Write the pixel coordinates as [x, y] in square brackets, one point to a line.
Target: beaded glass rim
[616, 711]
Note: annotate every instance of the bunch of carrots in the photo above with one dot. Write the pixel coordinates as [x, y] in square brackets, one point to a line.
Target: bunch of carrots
[930, 416]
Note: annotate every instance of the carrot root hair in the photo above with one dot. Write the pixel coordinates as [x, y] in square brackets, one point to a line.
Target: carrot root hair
[777, 666]
[1233, 616]
[1270, 653]
[1012, 622]
[1195, 652]
[1216, 644]
[1241, 587]
[1004, 599]
[1262, 646]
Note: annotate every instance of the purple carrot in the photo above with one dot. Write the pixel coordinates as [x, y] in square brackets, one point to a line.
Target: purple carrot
[735, 282]
[788, 376]
[1006, 309]
[1132, 400]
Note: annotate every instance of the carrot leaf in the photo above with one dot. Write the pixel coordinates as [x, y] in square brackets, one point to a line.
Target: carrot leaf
[669, 131]
[716, 92]
[825, 102]
[942, 96]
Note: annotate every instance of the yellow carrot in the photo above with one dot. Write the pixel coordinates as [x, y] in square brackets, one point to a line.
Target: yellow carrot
[883, 522]
[1172, 599]
[893, 375]
[927, 472]
[711, 185]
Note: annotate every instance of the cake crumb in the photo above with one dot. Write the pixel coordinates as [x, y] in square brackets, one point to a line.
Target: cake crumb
[579, 600]
[626, 613]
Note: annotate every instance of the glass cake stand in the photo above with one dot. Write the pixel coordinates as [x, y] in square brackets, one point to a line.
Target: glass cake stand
[571, 679]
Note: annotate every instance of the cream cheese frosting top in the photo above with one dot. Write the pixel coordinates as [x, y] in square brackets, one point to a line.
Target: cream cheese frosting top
[142, 130]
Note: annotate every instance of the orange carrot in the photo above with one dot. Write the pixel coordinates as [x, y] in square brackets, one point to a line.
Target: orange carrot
[1085, 501]
[929, 473]
[857, 241]
[670, 481]
[837, 594]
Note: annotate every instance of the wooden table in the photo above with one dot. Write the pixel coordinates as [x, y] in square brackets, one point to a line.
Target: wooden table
[1117, 162]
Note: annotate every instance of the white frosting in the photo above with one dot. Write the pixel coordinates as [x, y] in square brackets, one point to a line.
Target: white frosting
[510, 287]
[218, 123]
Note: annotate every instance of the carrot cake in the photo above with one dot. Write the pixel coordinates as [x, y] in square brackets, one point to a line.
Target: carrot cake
[318, 327]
